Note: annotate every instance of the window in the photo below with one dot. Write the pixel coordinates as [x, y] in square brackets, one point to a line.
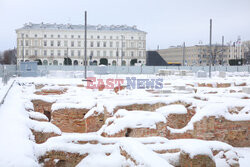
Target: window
[72, 36]
[72, 43]
[58, 36]
[58, 53]
[111, 37]
[139, 38]
[65, 36]
[117, 37]
[21, 42]
[104, 53]
[98, 53]
[51, 35]
[79, 53]
[72, 52]
[104, 44]
[52, 43]
[79, 44]
[35, 43]
[91, 44]
[45, 52]
[132, 37]
[111, 44]
[111, 53]
[98, 37]
[22, 35]
[45, 36]
[35, 35]
[91, 37]
[79, 36]
[27, 36]
[123, 44]
[132, 54]
[26, 43]
[104, 37]
[139, 53]
[132, 44]
[98, 44]
[117, 44]
[58, 43]
[65, 53]
[35, 52]
[51, 52]
[65, 43]
[26, 52]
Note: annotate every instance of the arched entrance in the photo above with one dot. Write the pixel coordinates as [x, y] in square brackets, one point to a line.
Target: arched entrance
[55, 62]
[113, 63]
[26, 60]
[94, 63]
[123, 63]
[39, 61]
[45, 62]
[75, 62]
[133, 61]
[67, 61]
[103, 61]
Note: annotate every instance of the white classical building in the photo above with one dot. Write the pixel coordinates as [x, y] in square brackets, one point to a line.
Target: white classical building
[60, 44]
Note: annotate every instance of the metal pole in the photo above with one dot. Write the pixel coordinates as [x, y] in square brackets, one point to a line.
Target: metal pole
[210, 47]
[222, 50]
[67, 56]
[183, 61]
[85, 46]
[122, 50]
[23, 46]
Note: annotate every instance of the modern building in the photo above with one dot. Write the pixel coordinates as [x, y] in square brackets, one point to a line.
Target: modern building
[60, 44]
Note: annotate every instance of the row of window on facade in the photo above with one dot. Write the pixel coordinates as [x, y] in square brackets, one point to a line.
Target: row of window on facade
[91, 37]
[92, 53]
[82, 44]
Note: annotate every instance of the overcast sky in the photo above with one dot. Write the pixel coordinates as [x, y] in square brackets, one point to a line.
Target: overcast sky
[167, 22]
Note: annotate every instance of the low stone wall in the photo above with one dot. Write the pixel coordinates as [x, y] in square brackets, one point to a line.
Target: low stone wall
[70, 119]
[141, 132]
[235, 133]
[94, 122]
[60, 158]
[41, 137]
[42, 107]
[196, 161]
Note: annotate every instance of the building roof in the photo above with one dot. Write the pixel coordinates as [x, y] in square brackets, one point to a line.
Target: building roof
[79, 27]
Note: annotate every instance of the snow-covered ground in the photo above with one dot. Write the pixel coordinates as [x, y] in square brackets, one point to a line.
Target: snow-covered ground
[18, 147]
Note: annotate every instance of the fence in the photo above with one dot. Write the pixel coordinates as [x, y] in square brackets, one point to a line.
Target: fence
[7, 71]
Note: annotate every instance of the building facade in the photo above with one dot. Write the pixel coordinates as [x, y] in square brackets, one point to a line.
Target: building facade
[60, 44]
[199, 55]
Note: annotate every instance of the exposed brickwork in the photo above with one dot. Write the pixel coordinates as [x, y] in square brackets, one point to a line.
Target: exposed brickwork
[41, 137]
[70, 119]
[51, 91]
[178, 121]
[61, 159]
[141, 132]
[205, 85]
[196, 161]
[223, 85]
[42, 107]
[143, 107]
[94, 122]
[119, 88]
[235, 133]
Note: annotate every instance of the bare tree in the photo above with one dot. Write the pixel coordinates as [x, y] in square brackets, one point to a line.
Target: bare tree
[9, 57]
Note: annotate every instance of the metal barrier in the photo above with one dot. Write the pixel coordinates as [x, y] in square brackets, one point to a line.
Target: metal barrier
[7, 71]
